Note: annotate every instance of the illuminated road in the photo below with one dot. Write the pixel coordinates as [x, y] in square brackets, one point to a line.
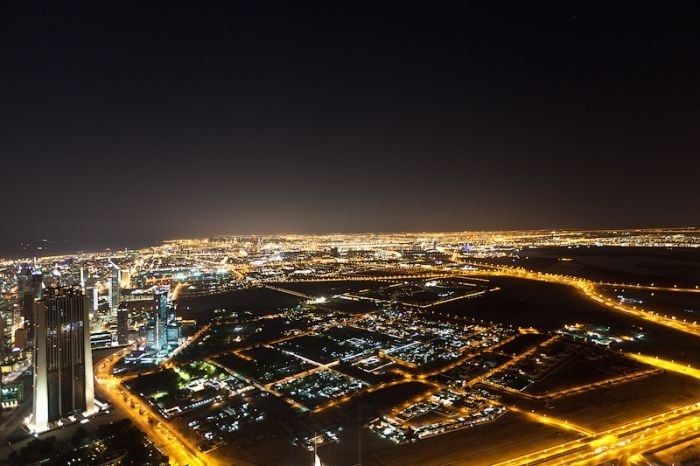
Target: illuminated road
[590, 290]
[200, 333]
[650, 287]
[177, 290]
[289, 292]
[634, 444]
[666, 365]
[262, 387]
[544, 419]
[587, 287]
[317, 367]
[620, 442]
[457, 362]
[223, 263]
[164, 436]
[367, 278]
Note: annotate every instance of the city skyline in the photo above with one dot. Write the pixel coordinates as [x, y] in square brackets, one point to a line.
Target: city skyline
[47, 248]
[377, 349]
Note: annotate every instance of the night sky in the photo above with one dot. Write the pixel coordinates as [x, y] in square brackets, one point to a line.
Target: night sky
[128, 125]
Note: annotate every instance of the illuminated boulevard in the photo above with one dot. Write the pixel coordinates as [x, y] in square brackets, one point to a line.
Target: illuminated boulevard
[164, 436]
[625, 441]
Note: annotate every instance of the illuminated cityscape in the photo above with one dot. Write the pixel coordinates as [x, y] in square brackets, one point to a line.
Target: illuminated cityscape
[362, 349]
[367, 233]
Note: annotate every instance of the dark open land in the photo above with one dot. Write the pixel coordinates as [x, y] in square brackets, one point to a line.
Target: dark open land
[330, 288]
[267, 443]
[258, 301]
[616, 404]
[526, 303]
[684, 306]
[230, 336]
[522, 343]
[351, 306]
[622, 403]
[548, 306]
[661, 266]
[587, 365]
[265, 365]
[508, 436]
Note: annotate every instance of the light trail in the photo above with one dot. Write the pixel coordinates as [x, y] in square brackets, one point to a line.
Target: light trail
[162, 433]
[666, 365]
[177, 290]
[552, 421]
[650, 287]
[632, 438]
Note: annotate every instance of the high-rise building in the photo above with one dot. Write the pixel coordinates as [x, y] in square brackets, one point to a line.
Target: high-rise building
[27, 304]
[123, 326]
[157, 329]
[92, 296]
[83, 277]
[3, 328]
[63, 378]
[30, 289]
[20, 339]
[101, 339]
[114, 285]
[126, 278]
[161, 315]
[11, 394]
[37, 281]
[173, 334]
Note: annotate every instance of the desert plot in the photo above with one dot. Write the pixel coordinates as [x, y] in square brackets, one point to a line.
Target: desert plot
[610, 406]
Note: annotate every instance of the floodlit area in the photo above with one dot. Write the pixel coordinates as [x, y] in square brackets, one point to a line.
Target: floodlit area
[321, 344]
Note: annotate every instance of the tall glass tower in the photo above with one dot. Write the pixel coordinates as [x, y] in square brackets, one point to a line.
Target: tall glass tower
[157, 327]
[114, 284]
[161, 320]
[63, 378]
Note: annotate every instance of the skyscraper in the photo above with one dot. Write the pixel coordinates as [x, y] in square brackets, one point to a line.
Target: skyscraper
[83, 277]
[114, 285]
[63, 378]
[126, 278]
[20, 338]
[3, 327]
[173, 334]
[123, 326]
[27, 305]
[92, 296]
[30, 289]
[161, 314]
[157, 330]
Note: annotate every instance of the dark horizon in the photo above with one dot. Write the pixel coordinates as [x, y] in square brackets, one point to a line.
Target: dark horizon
[129, 126]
